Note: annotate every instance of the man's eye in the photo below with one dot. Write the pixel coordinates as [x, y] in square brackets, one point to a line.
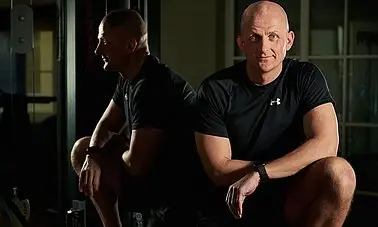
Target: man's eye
[252, 38]
[273, 36]
[103, 41]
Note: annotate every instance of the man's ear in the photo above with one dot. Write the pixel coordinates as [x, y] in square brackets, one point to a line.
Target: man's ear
[132, 45]
[290, 40]
[240, 42]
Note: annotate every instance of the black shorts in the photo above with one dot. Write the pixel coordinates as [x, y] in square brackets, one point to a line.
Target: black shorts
[147, 200]
[265, 207]
[155, 209]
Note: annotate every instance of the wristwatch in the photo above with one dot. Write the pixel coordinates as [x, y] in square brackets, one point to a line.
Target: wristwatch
[260, 168]
[93, 150]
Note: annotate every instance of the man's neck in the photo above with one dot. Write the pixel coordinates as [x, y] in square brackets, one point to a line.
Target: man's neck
[260, 78]
[134, 64]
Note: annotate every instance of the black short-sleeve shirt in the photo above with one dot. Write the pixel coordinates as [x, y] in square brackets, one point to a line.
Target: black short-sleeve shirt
[157, 97]
[160, 98]
[261, 122]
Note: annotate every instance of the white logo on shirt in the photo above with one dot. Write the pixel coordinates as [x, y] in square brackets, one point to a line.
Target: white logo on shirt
[276, 102]
[126, 97]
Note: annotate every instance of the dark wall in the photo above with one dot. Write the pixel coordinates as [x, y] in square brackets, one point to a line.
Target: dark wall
[93, 86]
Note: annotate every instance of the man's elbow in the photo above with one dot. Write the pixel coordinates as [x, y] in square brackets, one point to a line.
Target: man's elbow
[331, 147]
[218, 178]
[137, 170]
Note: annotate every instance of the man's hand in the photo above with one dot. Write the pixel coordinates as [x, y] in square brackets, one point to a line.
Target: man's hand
[239, 190]
[89, 179]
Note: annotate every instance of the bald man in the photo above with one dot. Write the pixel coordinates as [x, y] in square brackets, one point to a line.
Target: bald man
[267, 134]
[151, 104]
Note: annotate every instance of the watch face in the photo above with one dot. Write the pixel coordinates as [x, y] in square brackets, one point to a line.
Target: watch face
[261, 170]
[92, 150]
[259, 163]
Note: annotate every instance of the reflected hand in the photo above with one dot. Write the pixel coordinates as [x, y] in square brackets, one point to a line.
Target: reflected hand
[89, 178]
[239, 190]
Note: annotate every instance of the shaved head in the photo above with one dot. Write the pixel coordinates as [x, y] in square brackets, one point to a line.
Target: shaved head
[130, 21]
[262, 9]
[122, 34]
[265, 37]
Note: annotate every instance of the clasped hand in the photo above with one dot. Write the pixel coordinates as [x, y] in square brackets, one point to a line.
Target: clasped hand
[239, 190]
[89, 178]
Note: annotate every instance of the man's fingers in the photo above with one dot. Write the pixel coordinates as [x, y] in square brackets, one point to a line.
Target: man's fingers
[96, 181]
[241, 198]
[229, 199]
[228, 196]
[82, 177]
[235, 202]
[91, 175]
[234, 194]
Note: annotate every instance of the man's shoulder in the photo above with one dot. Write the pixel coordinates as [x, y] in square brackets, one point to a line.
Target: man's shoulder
[121, 82]
[160, 72]
[299, 68]
[224, 78]
[161, 80]
[157, 67]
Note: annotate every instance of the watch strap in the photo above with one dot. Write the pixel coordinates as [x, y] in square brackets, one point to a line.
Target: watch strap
[260, 168]
[93, 150]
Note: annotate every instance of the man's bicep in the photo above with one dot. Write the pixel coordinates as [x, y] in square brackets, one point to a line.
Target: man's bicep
[321, 123]
[214, 152]
[315, 90]
[152, 107]
[210, 107]
[113, 117]
[144, 145]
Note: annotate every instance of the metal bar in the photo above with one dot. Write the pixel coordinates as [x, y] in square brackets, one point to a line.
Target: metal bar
[305, 29]
[361, 124]
[70, 89]
[344, 82]
[145, 11]
[341, 57]
[240, 58]
[154, 26]
[127, 4]
[60, 104]
[367, 193]
[326, 57]
[229, 32]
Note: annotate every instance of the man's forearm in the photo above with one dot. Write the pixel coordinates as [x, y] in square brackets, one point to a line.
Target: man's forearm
[232, 171]
[100, 135]
[307, 153]
[285, 166]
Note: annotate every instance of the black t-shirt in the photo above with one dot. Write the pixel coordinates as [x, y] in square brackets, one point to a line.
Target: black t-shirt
[159, 98]
[262, 122]
[155, 98]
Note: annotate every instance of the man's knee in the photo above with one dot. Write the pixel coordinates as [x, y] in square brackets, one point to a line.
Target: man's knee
[78, 153]
[338, 175]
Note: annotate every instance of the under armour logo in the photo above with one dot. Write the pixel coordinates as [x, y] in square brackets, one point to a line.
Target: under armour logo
[277, 102]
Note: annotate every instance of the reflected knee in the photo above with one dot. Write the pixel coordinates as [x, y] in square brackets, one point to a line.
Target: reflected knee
[339, 176]
[78, 153]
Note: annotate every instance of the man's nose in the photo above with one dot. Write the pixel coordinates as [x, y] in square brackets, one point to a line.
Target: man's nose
[97, 50]
[264, 44]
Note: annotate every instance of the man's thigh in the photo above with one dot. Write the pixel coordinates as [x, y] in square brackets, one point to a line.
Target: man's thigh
[111, 163]
[266, 205]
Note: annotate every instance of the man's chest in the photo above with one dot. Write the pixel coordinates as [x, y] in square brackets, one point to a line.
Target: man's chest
[260, 118]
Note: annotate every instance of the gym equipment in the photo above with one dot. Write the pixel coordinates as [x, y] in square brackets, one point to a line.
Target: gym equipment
[14, 212]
